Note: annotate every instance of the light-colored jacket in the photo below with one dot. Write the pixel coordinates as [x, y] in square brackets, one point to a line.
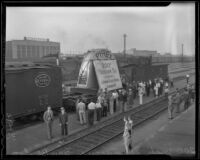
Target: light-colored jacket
[48, 116]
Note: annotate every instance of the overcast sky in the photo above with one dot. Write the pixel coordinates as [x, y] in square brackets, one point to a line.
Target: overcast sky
[81, 28]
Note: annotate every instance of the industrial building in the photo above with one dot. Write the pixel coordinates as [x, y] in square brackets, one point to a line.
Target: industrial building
[135, 52]
[30, 48]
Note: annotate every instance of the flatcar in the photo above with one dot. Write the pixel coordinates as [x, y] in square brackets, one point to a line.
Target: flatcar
[31, 87]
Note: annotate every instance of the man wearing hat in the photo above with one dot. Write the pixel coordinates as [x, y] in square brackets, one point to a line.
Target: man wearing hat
[48, 118]
[63, 119]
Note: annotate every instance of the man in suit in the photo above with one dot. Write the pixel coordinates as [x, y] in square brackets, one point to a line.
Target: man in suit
[48, 118]
[63, 119]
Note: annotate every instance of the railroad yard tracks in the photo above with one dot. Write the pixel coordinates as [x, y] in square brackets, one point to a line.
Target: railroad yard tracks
[106, 131]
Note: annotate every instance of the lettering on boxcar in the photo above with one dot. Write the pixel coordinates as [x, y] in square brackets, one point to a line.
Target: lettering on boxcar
[42, 80]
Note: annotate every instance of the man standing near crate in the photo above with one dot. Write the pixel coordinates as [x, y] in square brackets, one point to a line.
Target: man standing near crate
[48, 118]
[82, 112]
[91, 109]
[63, 119]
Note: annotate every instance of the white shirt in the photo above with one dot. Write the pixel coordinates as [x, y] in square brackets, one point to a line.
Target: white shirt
[100, 99]
[150, 82]
[131, 123]
[115, 95]
[157, 85]
[140, 91]
[98, 105]
[81, 107]
[156, 90]
[166, 90]
[91, 105]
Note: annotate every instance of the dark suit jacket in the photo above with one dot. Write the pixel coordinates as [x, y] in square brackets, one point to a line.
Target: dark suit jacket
[63, 118]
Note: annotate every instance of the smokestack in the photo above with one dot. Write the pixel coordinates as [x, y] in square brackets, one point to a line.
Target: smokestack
[125, 45]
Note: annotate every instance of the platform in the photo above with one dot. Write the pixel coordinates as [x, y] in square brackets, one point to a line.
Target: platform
[25, 140]
[175, 138]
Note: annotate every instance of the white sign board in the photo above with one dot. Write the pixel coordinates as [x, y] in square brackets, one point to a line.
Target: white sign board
[107, 74]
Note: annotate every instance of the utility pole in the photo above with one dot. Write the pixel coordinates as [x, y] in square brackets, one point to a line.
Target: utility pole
[182, 53]
[125, 45]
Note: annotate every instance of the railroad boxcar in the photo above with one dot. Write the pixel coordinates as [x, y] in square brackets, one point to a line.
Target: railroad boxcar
[31, 88]
[144, 72]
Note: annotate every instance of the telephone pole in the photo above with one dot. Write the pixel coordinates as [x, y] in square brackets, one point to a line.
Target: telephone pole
[125, 44]
[182, 53]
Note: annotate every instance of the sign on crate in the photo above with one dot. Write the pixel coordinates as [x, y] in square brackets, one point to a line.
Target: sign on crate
[107, 74]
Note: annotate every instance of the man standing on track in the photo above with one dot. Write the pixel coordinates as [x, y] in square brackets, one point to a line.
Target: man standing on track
[63, 119]
[48, 118]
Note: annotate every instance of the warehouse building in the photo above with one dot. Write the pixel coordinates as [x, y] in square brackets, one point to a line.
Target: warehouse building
[30, 48]
[135, 52]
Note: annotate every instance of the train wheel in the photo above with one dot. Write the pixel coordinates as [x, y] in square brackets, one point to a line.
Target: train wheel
[40, 116]
[33, 117]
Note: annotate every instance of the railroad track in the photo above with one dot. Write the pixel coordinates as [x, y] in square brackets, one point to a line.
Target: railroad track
[185, 70]
[85, 144]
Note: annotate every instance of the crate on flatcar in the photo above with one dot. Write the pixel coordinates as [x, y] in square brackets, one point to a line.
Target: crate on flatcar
[31, 88]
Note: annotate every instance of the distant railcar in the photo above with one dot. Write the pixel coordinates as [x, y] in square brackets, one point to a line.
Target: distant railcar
[31, 88]
[144, 69]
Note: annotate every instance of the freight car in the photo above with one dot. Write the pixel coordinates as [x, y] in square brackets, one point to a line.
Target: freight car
[31, 87]
[171, 59]
[144, 72]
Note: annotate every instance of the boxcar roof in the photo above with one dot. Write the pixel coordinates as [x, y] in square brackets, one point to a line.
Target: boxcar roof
[159, 64]
[26, 65]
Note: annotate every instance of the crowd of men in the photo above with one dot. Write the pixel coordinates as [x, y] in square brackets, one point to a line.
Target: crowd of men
[186, 98]
[109, 102]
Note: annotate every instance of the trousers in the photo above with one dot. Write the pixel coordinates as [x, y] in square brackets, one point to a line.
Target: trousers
[82, 117]
[64, 130]
[49, 129]
[90, 117]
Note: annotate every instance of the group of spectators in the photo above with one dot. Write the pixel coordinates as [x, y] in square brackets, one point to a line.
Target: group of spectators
[186, 98]
[109, 102]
